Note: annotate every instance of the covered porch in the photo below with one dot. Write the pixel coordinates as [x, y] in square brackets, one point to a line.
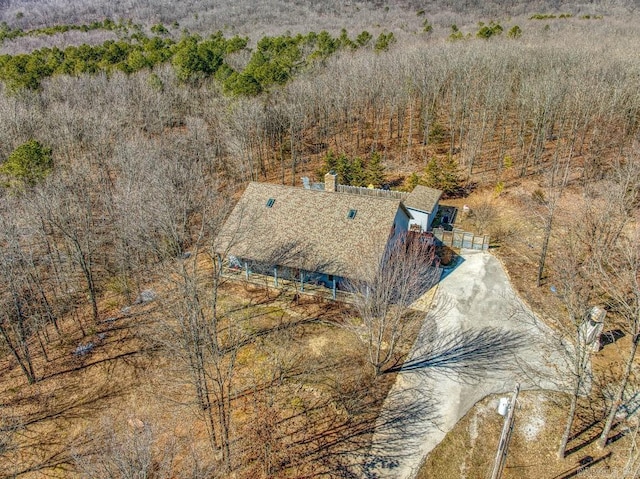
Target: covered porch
[283, 277]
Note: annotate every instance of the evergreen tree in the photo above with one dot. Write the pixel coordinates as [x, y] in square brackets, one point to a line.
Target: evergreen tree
[28, 163]
[343, 169]
[450, 175]
[375, 170]
[330, 163]
[515, 32]
[411, 182]
[432, 176]
[383, 42]
[358, 173]
[345, 41]
[364, 38]
[442, 174]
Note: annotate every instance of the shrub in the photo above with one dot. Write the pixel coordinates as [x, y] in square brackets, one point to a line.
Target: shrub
[487, 31]
[384, 41]
[514, 32]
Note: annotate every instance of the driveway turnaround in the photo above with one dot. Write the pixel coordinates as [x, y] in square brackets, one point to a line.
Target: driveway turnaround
[477, 339]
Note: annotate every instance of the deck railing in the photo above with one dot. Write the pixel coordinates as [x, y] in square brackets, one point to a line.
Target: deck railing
[268, 281]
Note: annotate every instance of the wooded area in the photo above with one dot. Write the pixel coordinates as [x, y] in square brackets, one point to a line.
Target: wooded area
[120, 160]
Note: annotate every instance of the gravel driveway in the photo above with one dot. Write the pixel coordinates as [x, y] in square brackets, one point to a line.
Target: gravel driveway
[476, 340]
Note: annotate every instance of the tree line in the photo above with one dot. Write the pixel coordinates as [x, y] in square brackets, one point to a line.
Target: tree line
[273, 62]
[8, 33]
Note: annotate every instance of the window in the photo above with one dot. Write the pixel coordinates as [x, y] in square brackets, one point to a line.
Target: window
[270, 202]
[352, 214]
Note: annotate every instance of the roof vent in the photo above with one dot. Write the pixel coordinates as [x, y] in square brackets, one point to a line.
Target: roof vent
[270, 202]
[352, 214]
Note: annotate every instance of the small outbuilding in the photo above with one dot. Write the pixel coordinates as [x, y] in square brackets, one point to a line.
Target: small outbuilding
[422, 202]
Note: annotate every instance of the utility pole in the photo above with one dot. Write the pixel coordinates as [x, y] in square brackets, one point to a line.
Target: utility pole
[505, 437]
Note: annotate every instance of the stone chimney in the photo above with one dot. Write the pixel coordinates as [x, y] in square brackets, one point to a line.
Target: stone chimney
[331, 182]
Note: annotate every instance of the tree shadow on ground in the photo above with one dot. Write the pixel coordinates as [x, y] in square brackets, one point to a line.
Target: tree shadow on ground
[590, 420]
[77, 389]
[363, 444]
[583, 465]
[36, 442]
[469, 354]
[387, 429]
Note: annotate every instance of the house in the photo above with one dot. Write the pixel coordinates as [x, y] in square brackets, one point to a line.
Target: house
[313, 235]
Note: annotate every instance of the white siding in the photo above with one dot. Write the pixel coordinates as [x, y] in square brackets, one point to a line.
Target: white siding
[420, 218]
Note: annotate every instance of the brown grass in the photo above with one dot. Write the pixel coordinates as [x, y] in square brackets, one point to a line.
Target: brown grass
[307, 374]
[468, 451]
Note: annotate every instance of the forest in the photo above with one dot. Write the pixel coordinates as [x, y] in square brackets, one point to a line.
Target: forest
[127, 131]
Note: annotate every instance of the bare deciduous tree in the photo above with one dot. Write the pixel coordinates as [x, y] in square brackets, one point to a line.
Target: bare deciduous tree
[576, 293]
[132, 448]
[621, 281]
[384, 294]
[199, 334]
[16, 326]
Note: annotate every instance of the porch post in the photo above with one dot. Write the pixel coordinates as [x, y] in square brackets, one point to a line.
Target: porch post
[301, 280]
[246, 270]
[275, 276]
[333, 288]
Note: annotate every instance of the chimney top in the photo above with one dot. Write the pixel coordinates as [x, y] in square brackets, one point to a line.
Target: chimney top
[331, 181]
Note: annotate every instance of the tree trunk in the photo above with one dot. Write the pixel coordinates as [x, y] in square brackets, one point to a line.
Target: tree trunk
[570, 417]
[615, 405]
[25, 363]
[545, 247]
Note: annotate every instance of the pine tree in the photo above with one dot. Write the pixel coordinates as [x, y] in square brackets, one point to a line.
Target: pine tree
[330, 163]
[412, 181]
[28, 163]
[442, 174]
[358, 173]
[432, 174]
[450, 175]
[375, 170]
[343, 168]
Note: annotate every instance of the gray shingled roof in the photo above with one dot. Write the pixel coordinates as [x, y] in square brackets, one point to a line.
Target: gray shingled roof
[309, 229]
[423, 198]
